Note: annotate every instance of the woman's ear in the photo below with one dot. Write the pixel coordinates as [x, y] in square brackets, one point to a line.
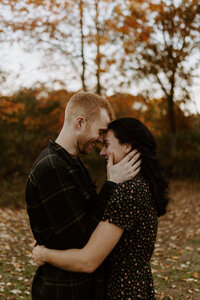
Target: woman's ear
[128, 147]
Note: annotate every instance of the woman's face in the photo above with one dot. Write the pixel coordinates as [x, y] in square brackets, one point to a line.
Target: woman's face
[112, 145]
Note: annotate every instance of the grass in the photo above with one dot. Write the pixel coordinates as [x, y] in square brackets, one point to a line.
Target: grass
[175, 263]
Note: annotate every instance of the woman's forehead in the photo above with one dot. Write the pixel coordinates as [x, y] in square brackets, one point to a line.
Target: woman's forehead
[109, 135]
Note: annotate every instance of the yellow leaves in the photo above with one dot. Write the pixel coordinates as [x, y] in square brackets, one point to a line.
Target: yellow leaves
[15, 291]
[159, 249]
[129, 47]
[14, 229]
[23, 9]
[110, 62]
[30, 123]
[165, 278]
[30, 109]
[189, 248]
[175, 261]
[118, 9]
[17, 265]
[153, 270]
[155, 7]
[125, 29]
[195, 275]
[175, 257]
[190, 279]
[103, 40]
[127, 105]
[9, 109]
[8, 283]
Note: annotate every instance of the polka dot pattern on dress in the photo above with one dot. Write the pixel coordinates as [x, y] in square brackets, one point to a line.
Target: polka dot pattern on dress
[132, 208]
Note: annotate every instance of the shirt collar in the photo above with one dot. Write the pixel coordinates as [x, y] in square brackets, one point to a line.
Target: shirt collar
[62, 151]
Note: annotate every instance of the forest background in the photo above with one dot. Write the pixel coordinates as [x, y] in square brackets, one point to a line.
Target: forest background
[142, 55]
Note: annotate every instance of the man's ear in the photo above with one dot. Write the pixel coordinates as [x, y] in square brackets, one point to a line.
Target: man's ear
[80, 122]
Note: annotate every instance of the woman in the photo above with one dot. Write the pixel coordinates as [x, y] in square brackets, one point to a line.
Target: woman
[128, 227]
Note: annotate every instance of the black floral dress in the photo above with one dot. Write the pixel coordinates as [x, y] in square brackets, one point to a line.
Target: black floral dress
[129, 274]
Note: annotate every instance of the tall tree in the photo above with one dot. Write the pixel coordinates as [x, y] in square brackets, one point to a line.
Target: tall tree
[128, 28]
[53, 28]
[168, 57]
[98, 56]
[99, 41]
[82, 45]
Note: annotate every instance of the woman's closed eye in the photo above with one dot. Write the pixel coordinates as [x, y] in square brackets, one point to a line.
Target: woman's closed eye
[105, 144]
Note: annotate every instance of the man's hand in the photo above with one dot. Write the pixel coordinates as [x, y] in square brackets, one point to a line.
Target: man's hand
[126, 169]
[37, 255]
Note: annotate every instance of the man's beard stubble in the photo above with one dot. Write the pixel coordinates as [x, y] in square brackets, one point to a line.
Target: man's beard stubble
[82, 148]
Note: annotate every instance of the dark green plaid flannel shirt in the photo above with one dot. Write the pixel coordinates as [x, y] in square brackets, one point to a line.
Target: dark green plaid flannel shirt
[63, 210]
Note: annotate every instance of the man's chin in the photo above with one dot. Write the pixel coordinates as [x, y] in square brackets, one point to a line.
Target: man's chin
[86, 151]
[89, 149]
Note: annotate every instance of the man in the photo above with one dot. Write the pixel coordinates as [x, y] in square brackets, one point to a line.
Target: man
[62, 203]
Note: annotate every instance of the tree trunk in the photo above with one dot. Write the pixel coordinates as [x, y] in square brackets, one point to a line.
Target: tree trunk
[172, 122]
[82, 46]
[98, 55]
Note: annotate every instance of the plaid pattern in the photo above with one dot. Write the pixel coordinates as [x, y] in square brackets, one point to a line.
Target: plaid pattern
[64, 209]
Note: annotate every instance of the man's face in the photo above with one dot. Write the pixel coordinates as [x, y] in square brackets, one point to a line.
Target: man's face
[93, 132]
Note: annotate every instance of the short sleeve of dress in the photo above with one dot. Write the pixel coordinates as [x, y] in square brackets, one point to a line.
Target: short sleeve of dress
[123, 208]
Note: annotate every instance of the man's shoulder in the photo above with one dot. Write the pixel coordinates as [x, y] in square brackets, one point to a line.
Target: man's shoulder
[46, 161]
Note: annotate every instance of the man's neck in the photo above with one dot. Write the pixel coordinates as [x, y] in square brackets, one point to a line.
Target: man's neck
[66, 140]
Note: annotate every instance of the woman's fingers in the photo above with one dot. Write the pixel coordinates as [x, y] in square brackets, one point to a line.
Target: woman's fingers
[133, 173]
[133, 166]
[135, 162]
[131, 156]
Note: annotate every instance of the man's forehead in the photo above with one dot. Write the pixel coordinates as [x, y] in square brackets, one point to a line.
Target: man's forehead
[104, 119]
[103, 127]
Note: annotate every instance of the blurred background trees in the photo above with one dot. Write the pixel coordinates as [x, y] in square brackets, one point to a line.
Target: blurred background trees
[142, 55]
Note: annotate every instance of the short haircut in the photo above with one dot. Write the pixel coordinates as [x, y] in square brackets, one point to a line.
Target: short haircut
[87, 105]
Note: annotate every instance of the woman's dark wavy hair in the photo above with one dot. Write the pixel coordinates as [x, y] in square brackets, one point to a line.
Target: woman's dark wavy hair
[134, 132]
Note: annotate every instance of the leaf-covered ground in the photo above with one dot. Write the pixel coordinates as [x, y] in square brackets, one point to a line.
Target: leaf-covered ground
[175, 264]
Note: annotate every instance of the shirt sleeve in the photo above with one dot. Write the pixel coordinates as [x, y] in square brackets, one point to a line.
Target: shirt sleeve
[63, 205]
[123, 208]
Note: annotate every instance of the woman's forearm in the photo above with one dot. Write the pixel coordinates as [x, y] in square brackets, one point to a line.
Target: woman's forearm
[87, 259]
[74, 260]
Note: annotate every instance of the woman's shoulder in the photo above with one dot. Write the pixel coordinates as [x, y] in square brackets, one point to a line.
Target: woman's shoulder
[138, 182]
[132, 193]
[137, 188]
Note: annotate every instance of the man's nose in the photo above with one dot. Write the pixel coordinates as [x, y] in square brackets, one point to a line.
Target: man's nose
[101, 138]
[103, 152]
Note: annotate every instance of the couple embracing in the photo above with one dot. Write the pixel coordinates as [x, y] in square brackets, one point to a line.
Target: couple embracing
[95, 246]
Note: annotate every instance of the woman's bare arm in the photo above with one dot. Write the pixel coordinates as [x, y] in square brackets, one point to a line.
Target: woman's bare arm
[102, 241]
